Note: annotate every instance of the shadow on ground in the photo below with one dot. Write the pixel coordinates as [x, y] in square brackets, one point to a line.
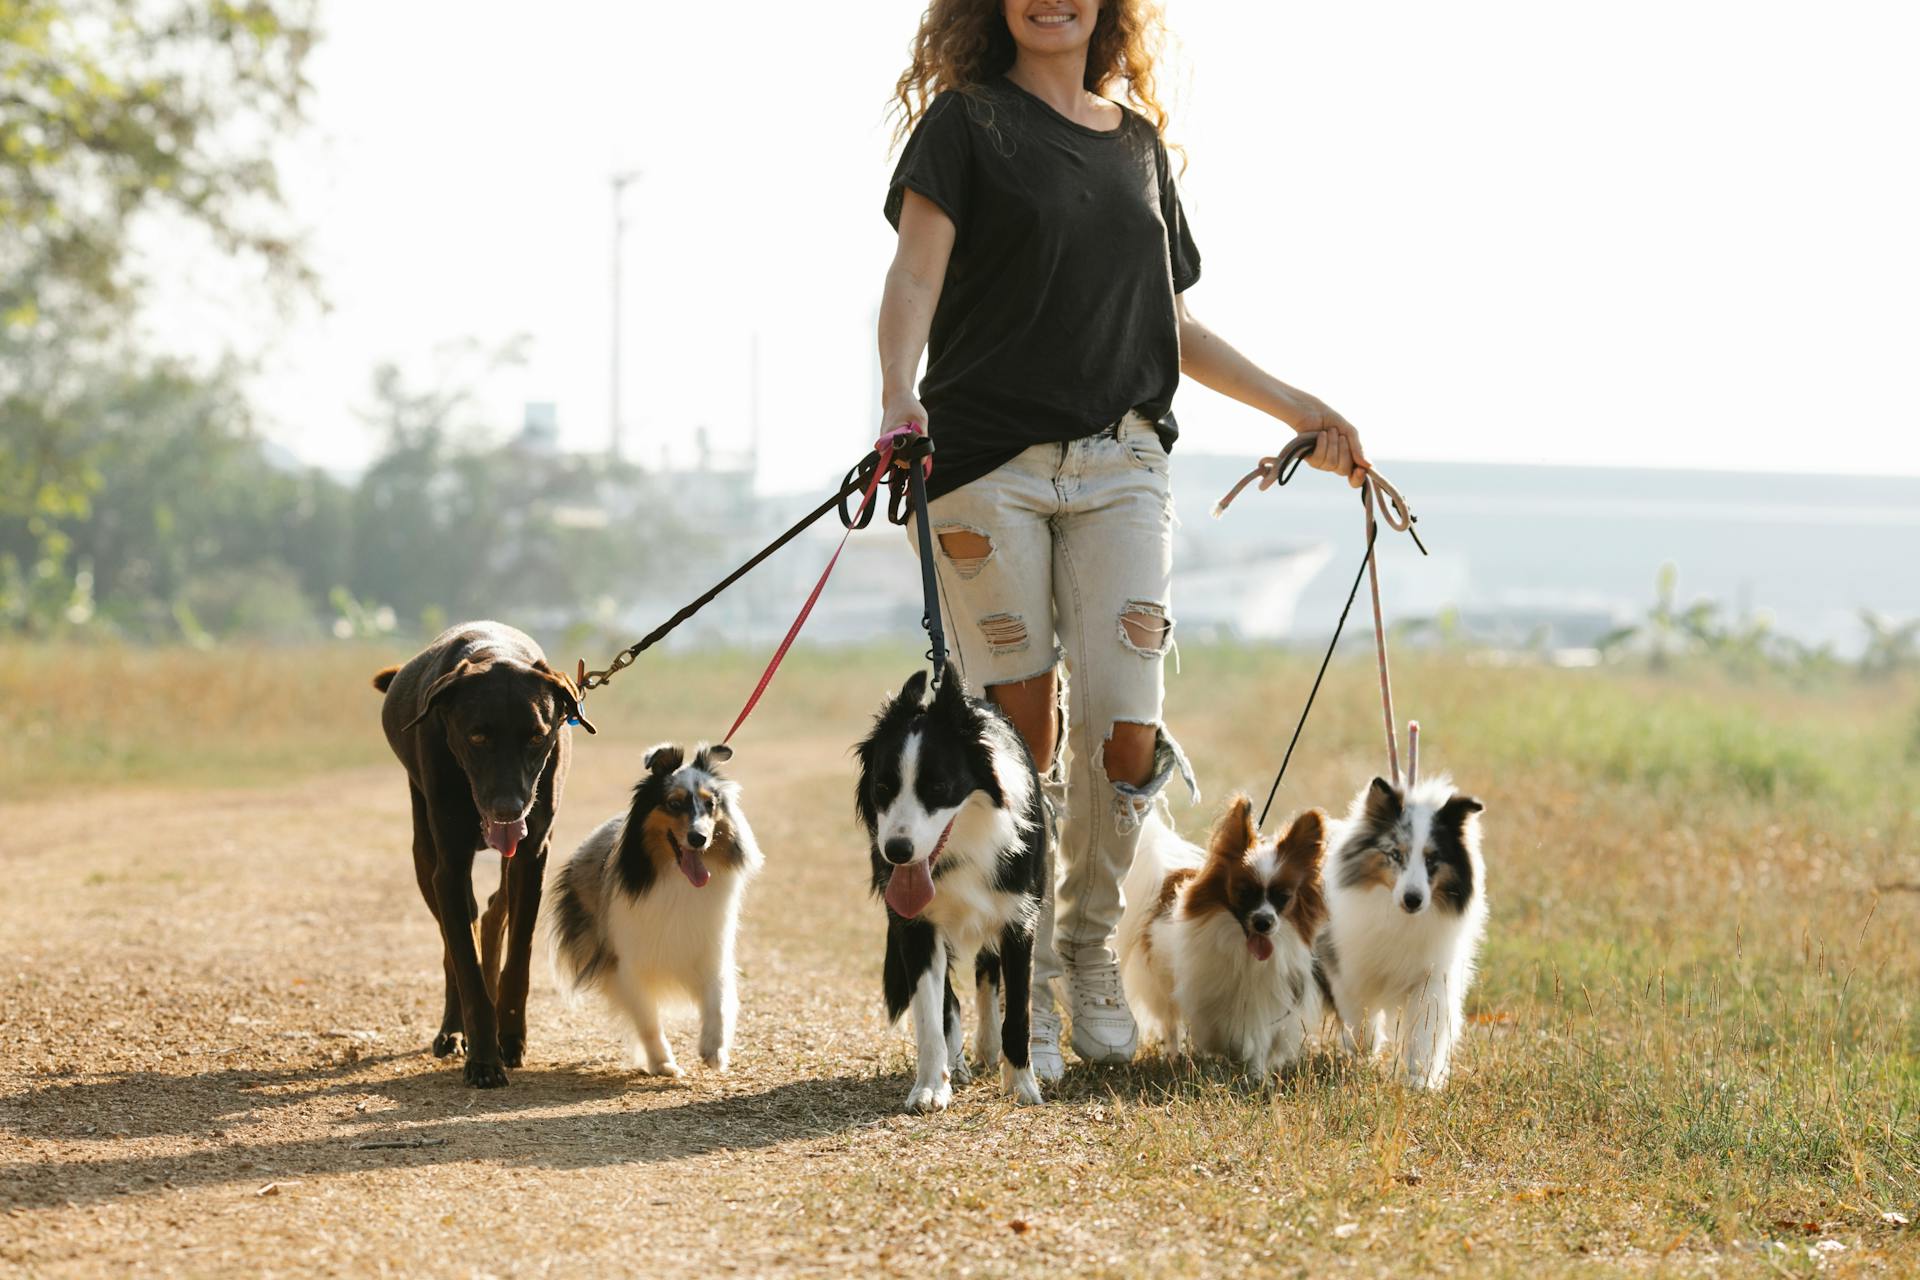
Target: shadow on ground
[551, 1118]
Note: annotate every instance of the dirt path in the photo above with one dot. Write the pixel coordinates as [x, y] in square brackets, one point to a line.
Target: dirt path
[216, 1006]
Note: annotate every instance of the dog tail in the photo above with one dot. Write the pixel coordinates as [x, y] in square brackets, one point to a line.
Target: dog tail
[384, 677]
[576, 935]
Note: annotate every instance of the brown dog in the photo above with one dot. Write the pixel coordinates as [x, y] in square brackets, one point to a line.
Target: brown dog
[480, 721]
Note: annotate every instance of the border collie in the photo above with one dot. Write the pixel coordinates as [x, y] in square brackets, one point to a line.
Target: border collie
[1216, 945]
[1407, 908]
[957, 833]
[646, 910]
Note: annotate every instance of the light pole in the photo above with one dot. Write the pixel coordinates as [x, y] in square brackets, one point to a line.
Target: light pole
[620, 183]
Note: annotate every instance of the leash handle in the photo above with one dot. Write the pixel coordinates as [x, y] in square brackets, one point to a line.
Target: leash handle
[884, 457]
[1384, 501]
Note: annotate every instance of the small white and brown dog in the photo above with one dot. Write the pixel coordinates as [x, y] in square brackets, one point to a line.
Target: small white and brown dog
[646, 910]
[1216, 945]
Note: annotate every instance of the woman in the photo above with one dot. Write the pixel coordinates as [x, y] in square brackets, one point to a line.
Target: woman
[1042, 262]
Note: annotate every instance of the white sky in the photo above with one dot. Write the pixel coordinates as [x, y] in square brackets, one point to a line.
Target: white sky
[1675, 233]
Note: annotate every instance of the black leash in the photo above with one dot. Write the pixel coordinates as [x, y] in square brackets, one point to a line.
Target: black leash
[929, 582]
[1352, 595]
[907, 483]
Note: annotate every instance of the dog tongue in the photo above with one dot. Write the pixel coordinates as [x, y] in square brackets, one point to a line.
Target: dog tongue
[693, 869]
[1260, 945]
[911, 888]
[504, 837]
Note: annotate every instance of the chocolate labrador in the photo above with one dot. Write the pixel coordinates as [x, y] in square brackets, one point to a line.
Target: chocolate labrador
[480, 721]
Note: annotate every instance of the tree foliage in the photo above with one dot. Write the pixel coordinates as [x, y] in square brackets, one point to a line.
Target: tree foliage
[111, 112]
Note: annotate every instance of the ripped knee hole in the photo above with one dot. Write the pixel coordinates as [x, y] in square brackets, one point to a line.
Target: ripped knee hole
[1145, 628]
[968, 550]
[1004, 631]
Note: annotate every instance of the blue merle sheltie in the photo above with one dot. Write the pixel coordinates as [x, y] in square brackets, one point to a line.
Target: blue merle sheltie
[957, 831]
[1406, 908]
[646, 910]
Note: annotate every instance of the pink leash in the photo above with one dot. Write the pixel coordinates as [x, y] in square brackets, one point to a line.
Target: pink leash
[885, 447]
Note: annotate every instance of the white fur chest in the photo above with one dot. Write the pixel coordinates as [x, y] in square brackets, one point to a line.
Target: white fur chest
[966, 908]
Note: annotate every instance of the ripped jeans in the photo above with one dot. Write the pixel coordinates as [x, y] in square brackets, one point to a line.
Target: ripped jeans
[1078, 562]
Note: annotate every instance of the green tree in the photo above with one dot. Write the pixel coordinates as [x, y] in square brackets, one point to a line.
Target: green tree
[114, 111]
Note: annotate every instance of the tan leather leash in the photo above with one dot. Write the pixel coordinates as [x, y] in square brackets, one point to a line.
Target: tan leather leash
[1383, 504]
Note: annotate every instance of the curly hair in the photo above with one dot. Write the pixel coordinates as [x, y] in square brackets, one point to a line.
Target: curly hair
[962, 44]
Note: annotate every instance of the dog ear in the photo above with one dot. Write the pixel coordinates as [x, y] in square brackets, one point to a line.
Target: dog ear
[914, 691]
[718, 753]
[438, 689]
[1234, 834]
[1305, 843]
[664, 758]
[951, 694]
[1383, 803]
[1454, 813]
[569, 693]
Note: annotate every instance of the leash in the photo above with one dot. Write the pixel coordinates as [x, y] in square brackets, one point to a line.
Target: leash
[929, 581]
[1382, 504]
[902, 447]
[902, 459]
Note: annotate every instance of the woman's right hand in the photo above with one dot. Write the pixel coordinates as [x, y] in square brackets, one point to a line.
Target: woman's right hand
[903, 410]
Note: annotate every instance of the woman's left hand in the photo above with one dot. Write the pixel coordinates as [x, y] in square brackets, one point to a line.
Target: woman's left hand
[1339, 448]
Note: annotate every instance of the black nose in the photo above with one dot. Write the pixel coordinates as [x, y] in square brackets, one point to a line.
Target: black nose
[1263, 924]
[698, 839]
[508, 808]
[898, 851]
[1411, 902]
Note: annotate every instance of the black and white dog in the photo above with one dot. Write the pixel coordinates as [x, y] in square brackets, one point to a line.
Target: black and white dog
[958, 836]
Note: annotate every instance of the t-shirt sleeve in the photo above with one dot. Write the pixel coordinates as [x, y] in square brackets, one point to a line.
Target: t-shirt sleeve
[936, 162]
[1182, 253]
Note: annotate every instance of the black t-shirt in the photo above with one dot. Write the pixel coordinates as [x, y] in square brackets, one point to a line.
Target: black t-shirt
[1057, 314]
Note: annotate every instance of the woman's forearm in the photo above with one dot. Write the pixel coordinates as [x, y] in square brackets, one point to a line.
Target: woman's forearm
[907, 302]
[1212, 361]
[906, 316]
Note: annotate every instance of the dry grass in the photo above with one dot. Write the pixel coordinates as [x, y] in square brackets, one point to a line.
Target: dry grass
[1695, 1046]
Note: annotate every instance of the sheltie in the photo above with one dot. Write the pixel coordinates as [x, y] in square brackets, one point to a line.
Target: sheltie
[1406, 897]
[646, 910]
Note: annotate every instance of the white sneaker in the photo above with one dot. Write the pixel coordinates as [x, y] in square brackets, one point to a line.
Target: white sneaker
[1104, 1032]
[1043, 1044]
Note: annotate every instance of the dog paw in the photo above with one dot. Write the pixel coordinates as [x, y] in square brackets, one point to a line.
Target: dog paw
[448, 1043]
[929, 1097]
[989, 1057]
[666, 1070]
[1019, 1084]
[962, 1073]
[716, 1059]
[486, 1075]
[513, 1050]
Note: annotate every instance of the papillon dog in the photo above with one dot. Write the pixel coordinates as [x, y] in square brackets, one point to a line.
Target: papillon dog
[1216, 944]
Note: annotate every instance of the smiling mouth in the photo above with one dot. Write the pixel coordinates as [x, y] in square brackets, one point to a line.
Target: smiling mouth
[689, 863]
[1051, 19]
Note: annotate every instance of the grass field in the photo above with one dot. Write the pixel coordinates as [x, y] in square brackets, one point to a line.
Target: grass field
[1695, 1046]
